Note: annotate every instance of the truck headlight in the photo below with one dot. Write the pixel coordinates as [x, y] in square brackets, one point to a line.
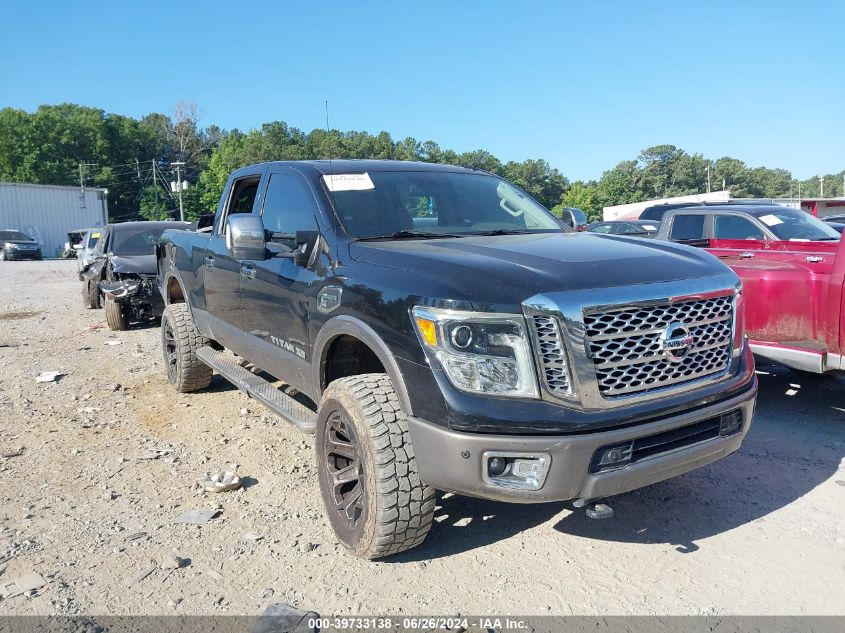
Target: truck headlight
[480, 352]
[13, 247]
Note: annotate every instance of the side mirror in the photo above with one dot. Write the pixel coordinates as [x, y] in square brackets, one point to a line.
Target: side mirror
[245, 237]
[306, 251]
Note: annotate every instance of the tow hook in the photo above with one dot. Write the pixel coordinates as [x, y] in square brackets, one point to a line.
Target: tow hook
[594, 508]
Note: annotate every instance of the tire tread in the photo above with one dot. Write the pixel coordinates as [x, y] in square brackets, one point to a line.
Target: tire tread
[191, 373]
[404, 504]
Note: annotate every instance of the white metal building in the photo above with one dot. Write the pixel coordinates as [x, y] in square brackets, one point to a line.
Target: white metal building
[47, 213]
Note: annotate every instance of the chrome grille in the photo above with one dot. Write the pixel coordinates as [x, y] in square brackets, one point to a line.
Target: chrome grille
[552, 358]
[627, 352]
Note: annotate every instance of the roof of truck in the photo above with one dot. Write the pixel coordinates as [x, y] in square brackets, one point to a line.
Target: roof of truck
[346, 165]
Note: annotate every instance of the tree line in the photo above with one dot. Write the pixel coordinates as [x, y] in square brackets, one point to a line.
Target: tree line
[67, 143]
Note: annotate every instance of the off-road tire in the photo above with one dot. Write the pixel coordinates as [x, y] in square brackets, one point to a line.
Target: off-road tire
[397, 508]
[91, 295]
[116, 316]
[180, 341]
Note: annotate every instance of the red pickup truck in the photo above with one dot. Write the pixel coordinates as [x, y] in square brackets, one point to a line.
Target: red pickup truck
[793, 288]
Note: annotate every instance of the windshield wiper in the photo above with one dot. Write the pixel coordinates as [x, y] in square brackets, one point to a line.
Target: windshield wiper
[503, 232]
[405, 234]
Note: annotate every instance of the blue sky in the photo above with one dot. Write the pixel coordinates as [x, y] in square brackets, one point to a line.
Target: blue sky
[581, 84]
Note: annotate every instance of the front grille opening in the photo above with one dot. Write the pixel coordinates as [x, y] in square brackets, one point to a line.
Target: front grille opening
[641, 448]
[552, 355]
[626, 346]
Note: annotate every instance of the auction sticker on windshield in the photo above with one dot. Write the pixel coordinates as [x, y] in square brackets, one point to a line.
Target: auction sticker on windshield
[770, 219]
[348, 182]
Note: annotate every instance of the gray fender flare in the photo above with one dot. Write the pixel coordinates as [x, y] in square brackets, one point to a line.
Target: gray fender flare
[340, 325]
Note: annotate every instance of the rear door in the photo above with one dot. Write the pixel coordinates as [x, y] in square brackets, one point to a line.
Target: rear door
[222, 272]
[279, 294]
[688, 227]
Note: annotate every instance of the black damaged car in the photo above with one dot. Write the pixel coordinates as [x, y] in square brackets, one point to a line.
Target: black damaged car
[122, 274]
[17, 245]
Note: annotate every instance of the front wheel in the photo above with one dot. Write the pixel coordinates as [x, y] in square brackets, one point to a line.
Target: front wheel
[116, 316]
[180, 341]
[375, 501]
[91, 295]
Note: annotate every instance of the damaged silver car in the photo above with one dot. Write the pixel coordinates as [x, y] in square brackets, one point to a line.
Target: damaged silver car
[122, 273]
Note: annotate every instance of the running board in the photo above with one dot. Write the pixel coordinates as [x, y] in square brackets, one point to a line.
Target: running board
[256, 387]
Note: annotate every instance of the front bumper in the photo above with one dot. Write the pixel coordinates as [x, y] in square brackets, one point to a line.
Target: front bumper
[452, 460]
[141, 295]
[19, 254]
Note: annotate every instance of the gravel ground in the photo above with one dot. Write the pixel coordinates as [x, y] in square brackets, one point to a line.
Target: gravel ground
[760, 532]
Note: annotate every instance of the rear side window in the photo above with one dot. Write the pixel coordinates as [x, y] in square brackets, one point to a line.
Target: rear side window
[687, 227]
[734, 227]
[288, 205]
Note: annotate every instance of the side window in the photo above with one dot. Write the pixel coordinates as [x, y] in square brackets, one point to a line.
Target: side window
[734, 227]
[600, 228]
[288, 205]
[242, 198]
[627, 228]
[687, 227]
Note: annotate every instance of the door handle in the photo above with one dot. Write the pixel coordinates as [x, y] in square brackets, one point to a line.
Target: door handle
[209, 262]
[248, 272]
[747, 255]
[814, 259]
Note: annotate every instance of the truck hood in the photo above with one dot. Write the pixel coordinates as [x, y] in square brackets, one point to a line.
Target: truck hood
[505, 270]
[137, 264]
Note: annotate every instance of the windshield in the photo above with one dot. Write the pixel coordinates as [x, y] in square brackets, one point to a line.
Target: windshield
[427, 203]
[129, 241]
[14, 235]
[791, 224]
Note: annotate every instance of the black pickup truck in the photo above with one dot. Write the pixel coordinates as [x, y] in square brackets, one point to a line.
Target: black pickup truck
[438, 329]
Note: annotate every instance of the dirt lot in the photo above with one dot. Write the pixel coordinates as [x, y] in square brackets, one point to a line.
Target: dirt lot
[761, 532]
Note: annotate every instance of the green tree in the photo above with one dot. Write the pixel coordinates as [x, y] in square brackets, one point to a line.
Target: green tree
[582, 196]
[154, 204]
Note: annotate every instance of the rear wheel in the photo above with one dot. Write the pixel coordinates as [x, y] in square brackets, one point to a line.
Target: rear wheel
[116, 316]
[180, 341]
[375, 501]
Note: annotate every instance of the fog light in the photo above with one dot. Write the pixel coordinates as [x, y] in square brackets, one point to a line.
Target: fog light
[731, 423]
[611, 457]
[496, 466]
[522, 471]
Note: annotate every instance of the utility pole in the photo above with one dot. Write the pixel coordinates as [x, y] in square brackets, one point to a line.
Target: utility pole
[821, 186]
[82, 170]
[178, 166]
[155, 182]
[708, 178]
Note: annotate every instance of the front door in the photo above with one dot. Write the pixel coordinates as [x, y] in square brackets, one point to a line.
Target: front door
[222, 273]
[278, 293]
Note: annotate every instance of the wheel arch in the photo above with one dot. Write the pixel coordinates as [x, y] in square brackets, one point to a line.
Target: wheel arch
[350, 326]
